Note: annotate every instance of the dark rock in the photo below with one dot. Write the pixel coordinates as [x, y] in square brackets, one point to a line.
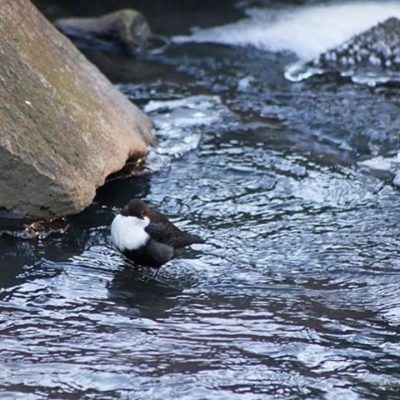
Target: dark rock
[374, 51]
[10, 220]
[378, 47]
[128, 27]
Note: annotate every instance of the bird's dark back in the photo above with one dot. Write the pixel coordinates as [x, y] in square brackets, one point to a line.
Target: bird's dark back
[173, 235]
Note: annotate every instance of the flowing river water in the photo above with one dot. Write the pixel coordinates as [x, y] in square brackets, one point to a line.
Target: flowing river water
[295, 294]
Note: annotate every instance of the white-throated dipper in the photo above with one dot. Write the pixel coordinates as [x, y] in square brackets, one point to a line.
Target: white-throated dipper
[146, 236]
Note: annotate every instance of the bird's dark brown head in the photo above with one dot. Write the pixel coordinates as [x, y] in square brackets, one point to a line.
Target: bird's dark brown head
[136, 208]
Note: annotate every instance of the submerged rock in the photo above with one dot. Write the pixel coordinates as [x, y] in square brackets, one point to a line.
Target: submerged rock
[128, 27]
[375, 50]
[64, 126]
[377, 47]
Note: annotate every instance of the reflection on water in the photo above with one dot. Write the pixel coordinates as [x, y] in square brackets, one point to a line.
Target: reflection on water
[295, 293]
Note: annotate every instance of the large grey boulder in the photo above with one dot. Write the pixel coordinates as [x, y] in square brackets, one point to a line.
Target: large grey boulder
[63, 126]
[376, 50]
[128, 27]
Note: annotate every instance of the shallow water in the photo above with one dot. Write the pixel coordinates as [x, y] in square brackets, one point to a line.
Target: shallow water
[295, 293]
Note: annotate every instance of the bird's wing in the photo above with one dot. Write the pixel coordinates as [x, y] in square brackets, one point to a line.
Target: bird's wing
[157, 232]
[165, 228]
[164, 231]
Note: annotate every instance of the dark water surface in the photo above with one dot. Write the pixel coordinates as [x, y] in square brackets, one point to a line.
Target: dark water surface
[295, 295]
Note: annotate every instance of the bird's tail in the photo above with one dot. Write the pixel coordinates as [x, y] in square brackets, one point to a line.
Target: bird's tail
[189, 239]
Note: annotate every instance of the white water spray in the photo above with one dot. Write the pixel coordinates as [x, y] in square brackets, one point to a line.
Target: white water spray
[304, 30]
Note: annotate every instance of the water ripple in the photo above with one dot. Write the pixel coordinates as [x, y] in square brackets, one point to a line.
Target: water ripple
[295, 292]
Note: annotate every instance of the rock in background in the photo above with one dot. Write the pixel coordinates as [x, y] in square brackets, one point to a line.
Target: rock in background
[376, 50]
[64, 127]
[128, 27]
[377, 47]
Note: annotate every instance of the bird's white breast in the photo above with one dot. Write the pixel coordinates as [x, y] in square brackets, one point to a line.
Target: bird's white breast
[127, 233]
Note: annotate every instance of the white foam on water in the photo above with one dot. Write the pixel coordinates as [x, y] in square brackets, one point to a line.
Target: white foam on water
[179, 125]
[304, 30]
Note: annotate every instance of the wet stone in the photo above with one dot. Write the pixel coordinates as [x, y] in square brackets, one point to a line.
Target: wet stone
[362, 56]
[128, 27]
[377, 47]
